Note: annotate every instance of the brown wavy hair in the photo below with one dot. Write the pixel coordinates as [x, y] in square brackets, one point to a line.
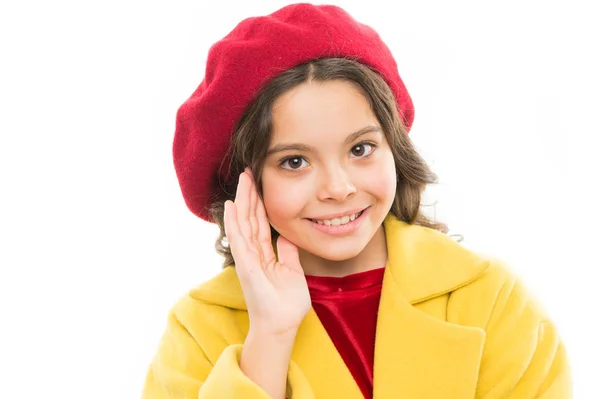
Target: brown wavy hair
[252, 136]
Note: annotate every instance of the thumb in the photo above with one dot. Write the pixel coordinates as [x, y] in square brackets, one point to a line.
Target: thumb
[287, 252]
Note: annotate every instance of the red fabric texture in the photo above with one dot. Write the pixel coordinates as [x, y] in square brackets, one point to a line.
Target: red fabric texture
[254, 52]
[347, 307]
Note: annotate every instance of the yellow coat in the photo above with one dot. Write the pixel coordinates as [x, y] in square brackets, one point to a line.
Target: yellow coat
[451, 324]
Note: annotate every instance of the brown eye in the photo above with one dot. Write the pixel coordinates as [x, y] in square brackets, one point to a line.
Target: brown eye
[358, 150]
[292, 163]
[362, 150]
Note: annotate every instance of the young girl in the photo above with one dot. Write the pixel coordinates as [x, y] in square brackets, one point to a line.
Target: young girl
[335, 284]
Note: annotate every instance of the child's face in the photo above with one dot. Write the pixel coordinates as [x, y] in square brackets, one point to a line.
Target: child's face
[330, 175]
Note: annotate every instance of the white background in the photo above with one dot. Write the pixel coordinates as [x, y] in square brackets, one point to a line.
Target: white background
[97, 244]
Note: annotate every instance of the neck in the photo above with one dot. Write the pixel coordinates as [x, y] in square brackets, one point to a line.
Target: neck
[373, 256]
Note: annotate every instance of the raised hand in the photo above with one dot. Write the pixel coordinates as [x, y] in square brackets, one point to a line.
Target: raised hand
[275, 291]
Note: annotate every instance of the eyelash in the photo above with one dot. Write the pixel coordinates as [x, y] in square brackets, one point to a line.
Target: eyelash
[362, 143]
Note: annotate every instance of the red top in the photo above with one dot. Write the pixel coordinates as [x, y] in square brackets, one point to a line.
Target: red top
[347, 307]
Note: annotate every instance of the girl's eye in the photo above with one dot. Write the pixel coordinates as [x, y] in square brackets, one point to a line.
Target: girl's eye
[363, 150]
[294, 163]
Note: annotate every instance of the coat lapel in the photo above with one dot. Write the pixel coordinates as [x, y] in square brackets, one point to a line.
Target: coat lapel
[320, 362]
[419, 356]
[416, 354]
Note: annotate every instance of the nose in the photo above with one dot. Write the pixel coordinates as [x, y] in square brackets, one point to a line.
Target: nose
[335, 184]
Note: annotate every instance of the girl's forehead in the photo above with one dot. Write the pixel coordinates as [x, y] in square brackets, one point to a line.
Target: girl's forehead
[320, 111]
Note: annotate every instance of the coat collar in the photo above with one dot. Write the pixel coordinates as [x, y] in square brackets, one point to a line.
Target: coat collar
[416, 355]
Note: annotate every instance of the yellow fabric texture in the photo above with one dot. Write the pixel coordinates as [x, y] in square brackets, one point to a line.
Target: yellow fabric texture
[452, 323]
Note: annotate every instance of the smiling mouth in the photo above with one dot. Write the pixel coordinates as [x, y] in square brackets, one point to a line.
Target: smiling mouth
[338, 221]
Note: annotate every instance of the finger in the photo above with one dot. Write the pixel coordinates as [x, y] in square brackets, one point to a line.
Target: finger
[232, 230]
[288, 253]
[264, 232]
[237, 243]
[242, 207]
[253, 200]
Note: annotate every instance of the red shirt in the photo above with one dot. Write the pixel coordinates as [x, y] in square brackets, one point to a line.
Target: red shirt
[347, 307]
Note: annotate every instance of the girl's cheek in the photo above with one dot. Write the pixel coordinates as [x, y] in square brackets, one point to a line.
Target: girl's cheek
[388, 181]
[284, 198]
[384, 185]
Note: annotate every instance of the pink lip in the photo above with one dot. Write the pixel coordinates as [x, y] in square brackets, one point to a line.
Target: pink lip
[343, 229]
[338, 215]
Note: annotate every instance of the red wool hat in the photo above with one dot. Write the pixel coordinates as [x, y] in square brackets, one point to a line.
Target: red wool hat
[254, 52]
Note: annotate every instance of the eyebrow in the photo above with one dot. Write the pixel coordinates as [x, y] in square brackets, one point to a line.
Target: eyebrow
[306, 148]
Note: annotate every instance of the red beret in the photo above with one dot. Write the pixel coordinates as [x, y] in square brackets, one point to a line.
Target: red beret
[255, 51]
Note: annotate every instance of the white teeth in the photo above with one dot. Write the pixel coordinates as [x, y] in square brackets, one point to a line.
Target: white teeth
[338, 221]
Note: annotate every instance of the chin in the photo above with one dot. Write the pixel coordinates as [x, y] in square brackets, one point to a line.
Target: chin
[336, 253]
